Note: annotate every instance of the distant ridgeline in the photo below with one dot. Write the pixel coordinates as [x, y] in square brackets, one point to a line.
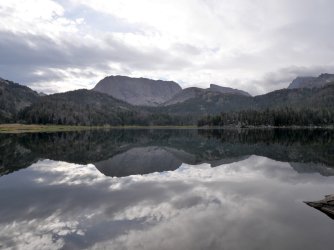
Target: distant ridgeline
[120, 100]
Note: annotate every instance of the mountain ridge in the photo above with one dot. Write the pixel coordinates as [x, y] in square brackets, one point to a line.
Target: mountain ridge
[13, 98]
[227, 90]
[90, 107]
[311, 81]
[138, 91]
[148, 92]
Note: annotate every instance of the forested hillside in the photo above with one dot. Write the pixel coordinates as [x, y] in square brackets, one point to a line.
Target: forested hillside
[87, 107]
[213, 103]
[275, 117]
[80, 107]
[285, 107]
[13, 98]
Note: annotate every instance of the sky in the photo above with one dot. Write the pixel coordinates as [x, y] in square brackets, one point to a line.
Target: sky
[257, 46]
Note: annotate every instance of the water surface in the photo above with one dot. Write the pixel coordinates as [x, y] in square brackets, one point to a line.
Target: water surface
[166, 189]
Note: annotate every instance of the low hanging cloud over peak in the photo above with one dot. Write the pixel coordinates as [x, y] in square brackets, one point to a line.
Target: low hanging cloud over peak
[256, 46]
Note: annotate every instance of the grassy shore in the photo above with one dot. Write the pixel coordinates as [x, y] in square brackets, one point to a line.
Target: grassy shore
[24, 128]
[37, 128]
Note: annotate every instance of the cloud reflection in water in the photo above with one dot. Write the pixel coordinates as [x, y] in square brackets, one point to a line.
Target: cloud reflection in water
[243, 205]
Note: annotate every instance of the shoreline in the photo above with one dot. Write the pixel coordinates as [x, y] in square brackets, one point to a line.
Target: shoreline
[16, 128]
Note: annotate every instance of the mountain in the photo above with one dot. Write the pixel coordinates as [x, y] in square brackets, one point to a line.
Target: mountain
[199, 102]
[80, 107]
[227, 90]
[138, 91]
[13, 98]
[184, 95]
[147, 92]
[312, 98]
[88, 107]
[194, 92]
[312, 82]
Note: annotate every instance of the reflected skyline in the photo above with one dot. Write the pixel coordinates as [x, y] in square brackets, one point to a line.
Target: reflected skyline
[127, 152]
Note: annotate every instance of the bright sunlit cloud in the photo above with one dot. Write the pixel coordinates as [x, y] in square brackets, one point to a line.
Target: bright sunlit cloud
[257, 46]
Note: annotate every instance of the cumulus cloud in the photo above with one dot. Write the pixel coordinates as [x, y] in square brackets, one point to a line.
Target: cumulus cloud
[62, 45]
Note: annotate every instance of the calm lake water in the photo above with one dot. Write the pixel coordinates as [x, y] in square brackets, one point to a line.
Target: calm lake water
[166, 189]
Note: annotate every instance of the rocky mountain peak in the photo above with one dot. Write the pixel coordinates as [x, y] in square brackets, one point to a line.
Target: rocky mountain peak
[138, 91]
[311, 82]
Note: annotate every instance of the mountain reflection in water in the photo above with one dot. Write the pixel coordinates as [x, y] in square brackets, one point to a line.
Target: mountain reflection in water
[170, 189]
[130, 152]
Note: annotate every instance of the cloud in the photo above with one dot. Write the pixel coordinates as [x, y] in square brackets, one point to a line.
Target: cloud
[37, 59]
[278, 79]
[62, 45]
[193, 207]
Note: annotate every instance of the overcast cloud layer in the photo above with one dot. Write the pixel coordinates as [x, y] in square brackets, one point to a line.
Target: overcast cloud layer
[257, 46]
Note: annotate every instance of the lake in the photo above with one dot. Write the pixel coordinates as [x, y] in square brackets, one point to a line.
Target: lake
[166, 189]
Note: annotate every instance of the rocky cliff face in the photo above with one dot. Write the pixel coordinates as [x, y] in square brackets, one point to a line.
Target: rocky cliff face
[311, 82]
[147, 92]
[193, 92]
[227, 90]
[138, 91]
[185, 95]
